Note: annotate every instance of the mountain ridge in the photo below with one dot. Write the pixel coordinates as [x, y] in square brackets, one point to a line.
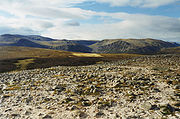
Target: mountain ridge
[132, 46]
[135, 46]
[42, 42]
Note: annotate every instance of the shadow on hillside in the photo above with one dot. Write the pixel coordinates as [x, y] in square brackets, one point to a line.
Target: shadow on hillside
[10, 65]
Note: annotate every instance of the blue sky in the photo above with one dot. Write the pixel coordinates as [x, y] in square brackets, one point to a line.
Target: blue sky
[171, 10]
[92, 19]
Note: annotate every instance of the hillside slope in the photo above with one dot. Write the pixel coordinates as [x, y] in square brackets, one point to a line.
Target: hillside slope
[132, 46]
[65, 45]
[27, 43]
[85, 42]
[42, 42]
[20, 58]
[15, 37]
[174, 50]
[135, 46]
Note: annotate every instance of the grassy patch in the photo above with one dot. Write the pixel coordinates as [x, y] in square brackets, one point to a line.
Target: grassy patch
[22, 64]
[20, 58]
[86, 55]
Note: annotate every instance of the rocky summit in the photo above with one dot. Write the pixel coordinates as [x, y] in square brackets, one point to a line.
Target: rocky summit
[146, 87]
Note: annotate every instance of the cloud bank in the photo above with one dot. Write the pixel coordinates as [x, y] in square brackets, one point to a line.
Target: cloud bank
[59, 19]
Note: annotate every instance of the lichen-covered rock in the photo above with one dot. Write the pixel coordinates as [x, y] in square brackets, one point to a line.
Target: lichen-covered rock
[143, 87]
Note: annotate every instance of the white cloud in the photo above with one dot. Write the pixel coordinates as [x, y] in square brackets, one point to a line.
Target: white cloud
[129, 26]
[57, 18]
[139, 3]
[44, 10]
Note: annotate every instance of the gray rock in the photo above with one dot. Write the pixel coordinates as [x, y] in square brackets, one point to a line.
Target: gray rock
[82, 115]
[27, 113]
[154, 107]
[15, 115]
[47, 117]
[99, 114]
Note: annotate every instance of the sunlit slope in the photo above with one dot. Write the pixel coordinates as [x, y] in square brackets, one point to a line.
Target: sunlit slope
[20, 58]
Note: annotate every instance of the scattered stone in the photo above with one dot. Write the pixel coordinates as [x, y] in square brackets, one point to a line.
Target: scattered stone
[82, 115]
[74, 108]
[99, 114]
[146, 106]
[177, 87]
[156, 90]
[27, 113]
[47, 117]
[8, 110]
[59, 88]
[168, 110]
[154, 107]
[177, 105]
[122, 89]
[15, 115]
[29, 99]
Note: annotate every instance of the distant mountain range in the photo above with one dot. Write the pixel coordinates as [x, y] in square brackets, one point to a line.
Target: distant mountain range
[45, 42]
[134, 46]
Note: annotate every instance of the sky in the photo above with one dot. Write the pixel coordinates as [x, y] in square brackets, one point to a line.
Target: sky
[92, 19]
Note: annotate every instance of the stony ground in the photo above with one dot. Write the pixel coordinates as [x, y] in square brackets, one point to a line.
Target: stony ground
[147, 87]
